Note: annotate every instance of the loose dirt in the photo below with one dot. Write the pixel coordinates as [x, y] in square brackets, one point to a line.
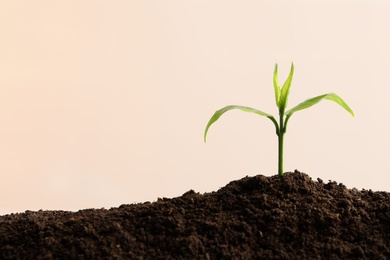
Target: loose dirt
[258, 217]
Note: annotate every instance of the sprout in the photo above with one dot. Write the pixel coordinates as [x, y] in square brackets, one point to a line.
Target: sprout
[281, 97]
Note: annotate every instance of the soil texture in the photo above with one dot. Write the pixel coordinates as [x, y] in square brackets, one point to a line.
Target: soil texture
[259, 217]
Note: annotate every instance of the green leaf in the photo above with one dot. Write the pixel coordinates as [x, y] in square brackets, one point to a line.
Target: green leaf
[276, 86]
[286, 89]
[312, 101]
[220, 112]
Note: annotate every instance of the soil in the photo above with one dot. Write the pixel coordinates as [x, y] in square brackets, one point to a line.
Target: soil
[256, 217]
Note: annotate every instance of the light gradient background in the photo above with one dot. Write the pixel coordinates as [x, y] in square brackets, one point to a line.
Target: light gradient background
[104, 103]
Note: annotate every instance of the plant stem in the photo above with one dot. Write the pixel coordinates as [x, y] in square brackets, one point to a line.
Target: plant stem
[280, 142]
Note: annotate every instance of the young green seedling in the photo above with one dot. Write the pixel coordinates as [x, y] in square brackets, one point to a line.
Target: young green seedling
[281, 96]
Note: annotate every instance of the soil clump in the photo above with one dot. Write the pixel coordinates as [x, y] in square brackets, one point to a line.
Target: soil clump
[258, 217]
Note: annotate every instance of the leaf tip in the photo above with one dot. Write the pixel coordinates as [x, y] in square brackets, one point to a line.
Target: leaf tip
[205, 134]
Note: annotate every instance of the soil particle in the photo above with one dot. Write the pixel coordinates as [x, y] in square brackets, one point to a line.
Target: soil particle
[256, 217]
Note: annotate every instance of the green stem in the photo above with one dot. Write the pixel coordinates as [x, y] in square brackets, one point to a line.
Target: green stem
[280, 142]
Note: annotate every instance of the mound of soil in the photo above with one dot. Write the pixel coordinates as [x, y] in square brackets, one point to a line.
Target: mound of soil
[292, 217]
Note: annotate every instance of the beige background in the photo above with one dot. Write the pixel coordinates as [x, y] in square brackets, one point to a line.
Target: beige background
[104, 103]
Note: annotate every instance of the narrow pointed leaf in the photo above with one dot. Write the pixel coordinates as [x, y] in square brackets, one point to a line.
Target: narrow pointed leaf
[220, 112]
[312, 101]
[286, 89]
[276, 86]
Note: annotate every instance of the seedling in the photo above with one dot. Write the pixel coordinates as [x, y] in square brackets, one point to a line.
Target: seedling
[281, 96]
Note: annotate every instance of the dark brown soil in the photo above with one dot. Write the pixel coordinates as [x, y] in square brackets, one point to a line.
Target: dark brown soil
[292, 217]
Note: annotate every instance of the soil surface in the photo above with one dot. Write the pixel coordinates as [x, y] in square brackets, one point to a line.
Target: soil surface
[262, 217]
